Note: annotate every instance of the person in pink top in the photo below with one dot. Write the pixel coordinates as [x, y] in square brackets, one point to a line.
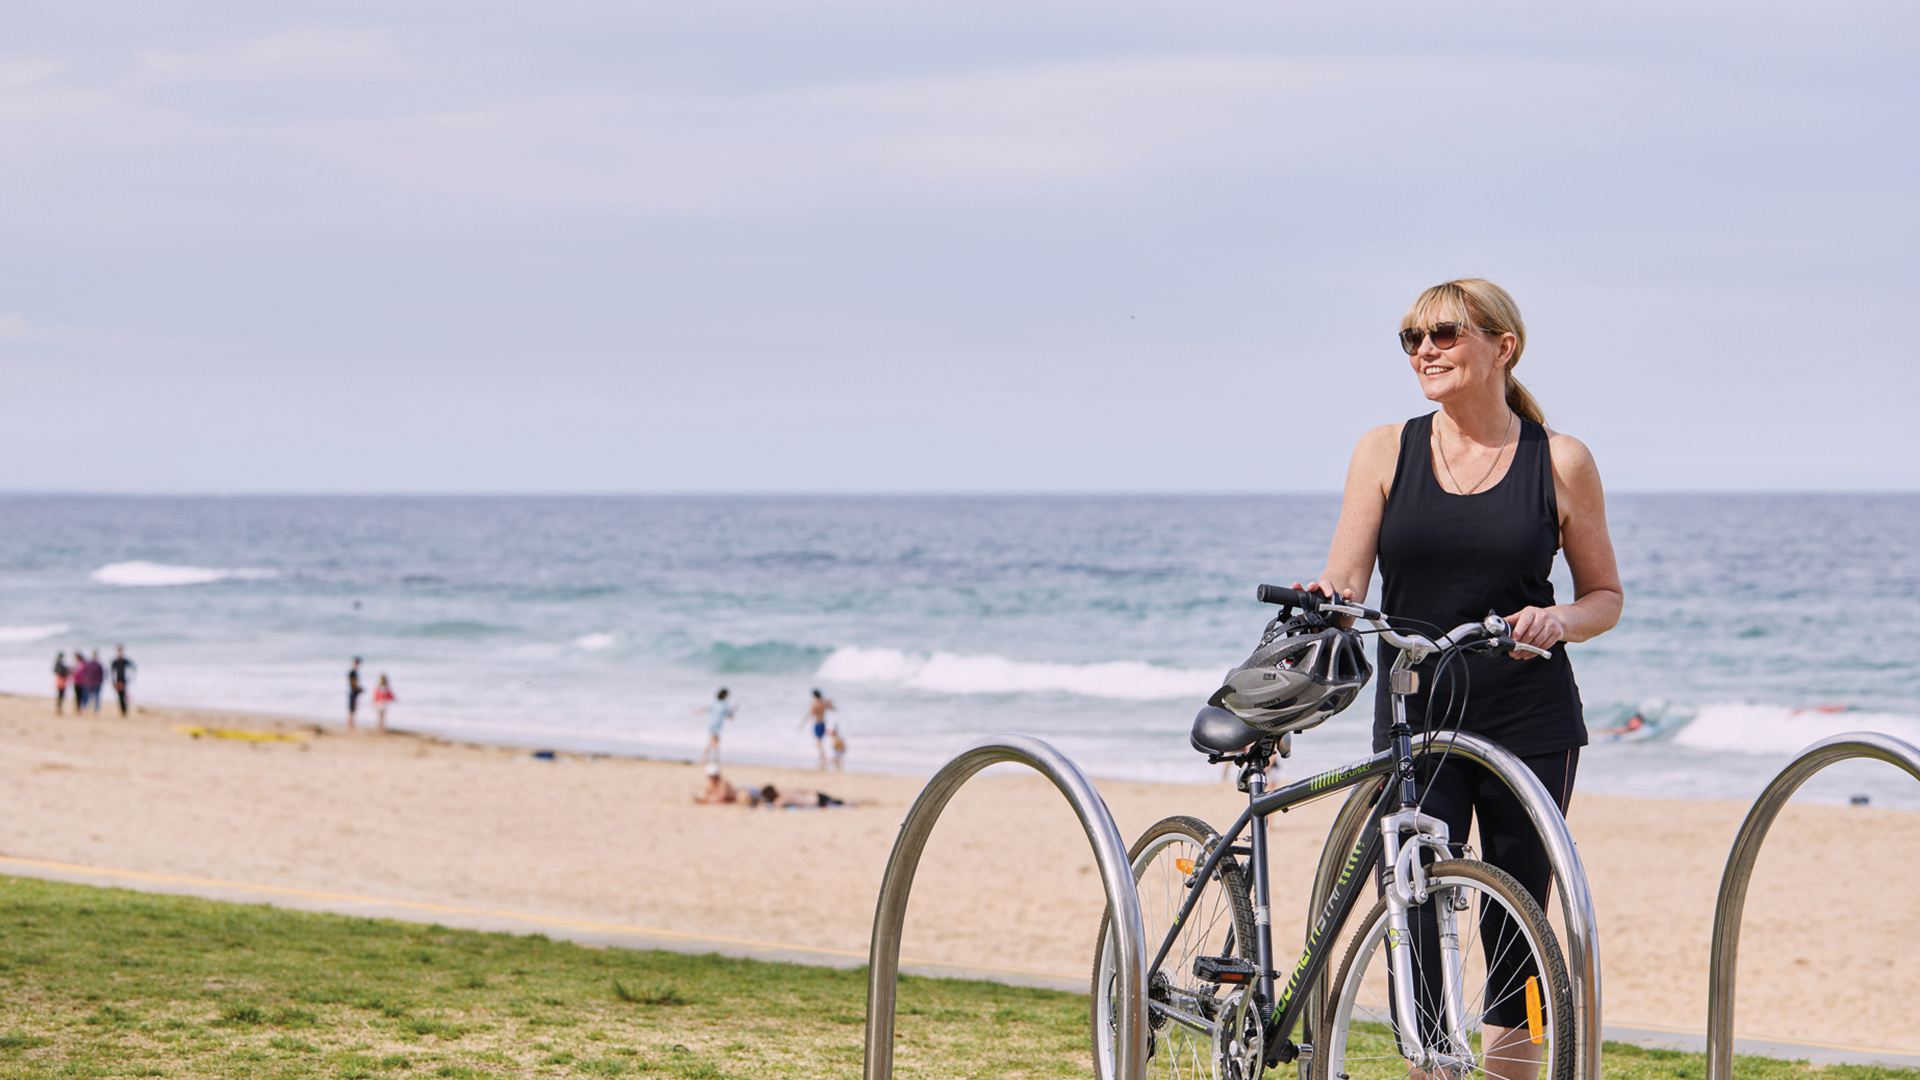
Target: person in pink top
[382, 697]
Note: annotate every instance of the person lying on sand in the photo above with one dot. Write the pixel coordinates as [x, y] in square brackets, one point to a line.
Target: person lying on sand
[717, 790]
[792, 799]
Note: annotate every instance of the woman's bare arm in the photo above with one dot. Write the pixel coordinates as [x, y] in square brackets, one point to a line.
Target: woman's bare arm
[1597, 595]
[1356, 539]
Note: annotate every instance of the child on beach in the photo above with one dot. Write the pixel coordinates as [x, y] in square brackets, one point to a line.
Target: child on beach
[839, 746]
[718, 713]
[60, 685]
[382, 697]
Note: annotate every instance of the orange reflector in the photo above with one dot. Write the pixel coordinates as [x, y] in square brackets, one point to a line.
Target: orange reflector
[1185, 865]
[1536, 1028]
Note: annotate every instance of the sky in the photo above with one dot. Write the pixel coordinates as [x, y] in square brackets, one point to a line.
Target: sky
[865, 246]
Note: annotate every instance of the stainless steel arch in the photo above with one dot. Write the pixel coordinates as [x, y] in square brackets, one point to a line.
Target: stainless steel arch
[1576, 902]
[1746, 849]
[1109, 853]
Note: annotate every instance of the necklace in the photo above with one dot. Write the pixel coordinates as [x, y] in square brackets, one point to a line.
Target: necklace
[1440, 441]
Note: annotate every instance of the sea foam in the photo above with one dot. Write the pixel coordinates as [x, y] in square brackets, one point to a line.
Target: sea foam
[1777, 729]
[20, 635]
[951, 673]
[593, 642]
[142, 573]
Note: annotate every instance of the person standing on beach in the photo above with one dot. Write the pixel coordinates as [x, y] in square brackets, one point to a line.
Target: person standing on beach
[95, 677]
[718, 713]
[122, 675]
[1464, 509]
[817, 712]
[77, 675]
[353, 692]
[382, 697]
[839, 746]
[60, 685]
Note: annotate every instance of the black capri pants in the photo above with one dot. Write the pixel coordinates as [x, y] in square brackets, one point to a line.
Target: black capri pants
[1457, 791]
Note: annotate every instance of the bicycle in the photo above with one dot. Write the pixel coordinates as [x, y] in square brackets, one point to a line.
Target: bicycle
[1213, 1008]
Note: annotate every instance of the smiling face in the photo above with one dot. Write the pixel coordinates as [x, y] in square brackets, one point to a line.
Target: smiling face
[1474, 367]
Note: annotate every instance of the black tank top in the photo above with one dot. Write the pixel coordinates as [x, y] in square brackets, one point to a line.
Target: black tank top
[1447, 559]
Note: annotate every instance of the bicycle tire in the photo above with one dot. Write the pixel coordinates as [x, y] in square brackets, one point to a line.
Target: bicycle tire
[1361, 1041]
[1221, 924]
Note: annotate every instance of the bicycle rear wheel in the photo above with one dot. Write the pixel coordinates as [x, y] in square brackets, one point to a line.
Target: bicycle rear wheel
[1220, 925]
[1510, 969]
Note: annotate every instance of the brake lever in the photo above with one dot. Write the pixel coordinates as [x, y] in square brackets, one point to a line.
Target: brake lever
[1494, 645]
[1510, 645]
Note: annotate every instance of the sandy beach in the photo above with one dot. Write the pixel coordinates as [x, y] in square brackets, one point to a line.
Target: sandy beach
[618, 840]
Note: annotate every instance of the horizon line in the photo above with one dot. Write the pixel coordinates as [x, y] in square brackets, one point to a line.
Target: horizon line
[966, 493]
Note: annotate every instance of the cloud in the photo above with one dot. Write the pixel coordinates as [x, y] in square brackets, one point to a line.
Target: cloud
[1045, 126]
[15, 327]
[18, 71]
[305, 53]
[1049, 128]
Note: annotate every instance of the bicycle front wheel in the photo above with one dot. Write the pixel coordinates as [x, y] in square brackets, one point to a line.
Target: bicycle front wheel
[1481, 954]
[1183, 1010]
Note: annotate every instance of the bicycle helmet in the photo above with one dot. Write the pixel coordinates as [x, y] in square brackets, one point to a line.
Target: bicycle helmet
[1303, 672]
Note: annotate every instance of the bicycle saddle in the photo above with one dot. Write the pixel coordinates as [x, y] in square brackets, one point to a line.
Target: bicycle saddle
[1217, 731]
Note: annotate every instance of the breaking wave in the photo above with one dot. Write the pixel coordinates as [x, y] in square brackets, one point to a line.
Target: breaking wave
[20, 635]
[1128, 680]
[142, 573]
[1777, 729]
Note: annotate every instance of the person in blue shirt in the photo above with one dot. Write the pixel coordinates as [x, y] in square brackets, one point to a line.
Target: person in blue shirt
[718, 713]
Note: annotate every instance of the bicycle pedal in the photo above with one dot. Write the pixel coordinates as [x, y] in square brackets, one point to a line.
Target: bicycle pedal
[1223, 969]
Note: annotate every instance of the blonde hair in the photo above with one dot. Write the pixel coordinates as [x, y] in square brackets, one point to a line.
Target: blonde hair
[1479, 302]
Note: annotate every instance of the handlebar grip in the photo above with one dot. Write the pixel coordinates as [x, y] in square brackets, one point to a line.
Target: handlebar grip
[1275, 594]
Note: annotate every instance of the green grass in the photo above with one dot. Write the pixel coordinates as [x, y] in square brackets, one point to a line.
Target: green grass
[107, 983]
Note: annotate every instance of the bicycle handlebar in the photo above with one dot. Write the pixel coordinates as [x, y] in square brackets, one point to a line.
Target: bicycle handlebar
[1493, 628]
[1300, 598]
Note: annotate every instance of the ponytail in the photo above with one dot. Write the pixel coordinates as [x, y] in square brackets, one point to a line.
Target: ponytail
[1521, 402]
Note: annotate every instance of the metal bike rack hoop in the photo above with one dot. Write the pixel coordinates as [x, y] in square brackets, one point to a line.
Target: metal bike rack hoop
[1576, 901]
[1732, 904]
[1109, 853]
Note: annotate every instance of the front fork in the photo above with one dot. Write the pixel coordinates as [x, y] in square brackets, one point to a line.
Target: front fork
[1405, 835]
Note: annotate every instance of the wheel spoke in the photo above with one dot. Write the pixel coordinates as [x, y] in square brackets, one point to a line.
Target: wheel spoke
[1181, 1007]
[1499, 918]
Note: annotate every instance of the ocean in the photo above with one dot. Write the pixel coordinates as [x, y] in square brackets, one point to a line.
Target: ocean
[1754, 624]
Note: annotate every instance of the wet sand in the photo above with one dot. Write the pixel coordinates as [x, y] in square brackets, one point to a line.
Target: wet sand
[1007, 880]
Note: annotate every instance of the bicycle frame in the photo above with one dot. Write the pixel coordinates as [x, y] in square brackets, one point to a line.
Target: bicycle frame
[1285, 1010]
[1395, 812]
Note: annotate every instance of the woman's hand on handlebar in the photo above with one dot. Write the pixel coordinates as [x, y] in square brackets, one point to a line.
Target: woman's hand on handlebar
[1539, 627]
[1325, 590]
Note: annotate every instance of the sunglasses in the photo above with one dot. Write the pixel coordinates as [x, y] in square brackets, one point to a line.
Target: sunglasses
[1445, 335]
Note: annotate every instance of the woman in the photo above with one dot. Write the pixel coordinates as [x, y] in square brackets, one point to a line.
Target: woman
[1464, 509]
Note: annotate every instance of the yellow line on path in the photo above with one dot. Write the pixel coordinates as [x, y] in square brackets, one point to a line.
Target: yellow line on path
[150, 878]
